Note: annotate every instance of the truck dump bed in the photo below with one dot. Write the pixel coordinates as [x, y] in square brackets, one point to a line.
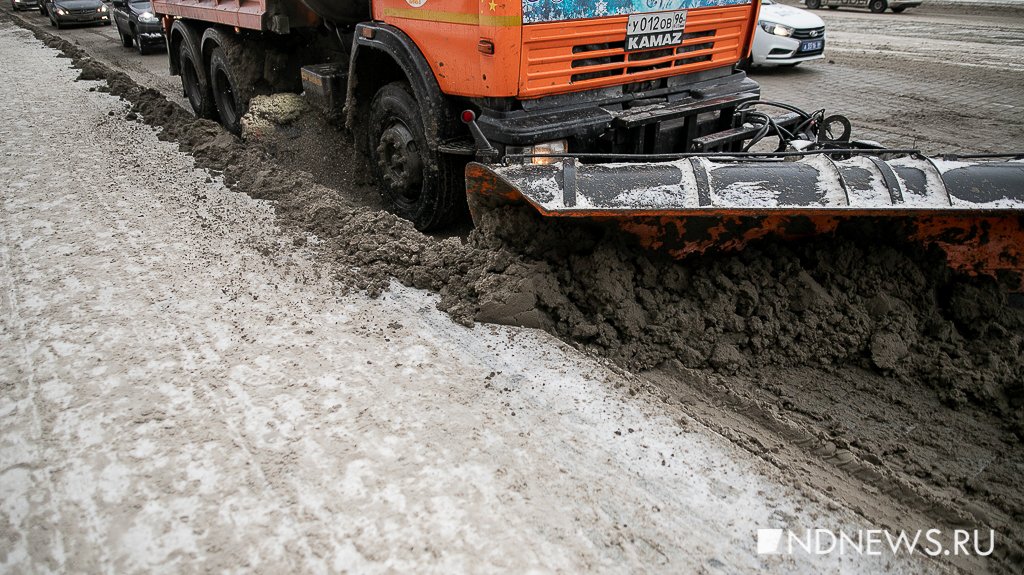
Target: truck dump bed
[257, 14]
[241, 13]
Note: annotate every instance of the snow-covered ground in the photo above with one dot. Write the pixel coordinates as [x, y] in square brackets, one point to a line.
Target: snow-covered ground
[183, 392]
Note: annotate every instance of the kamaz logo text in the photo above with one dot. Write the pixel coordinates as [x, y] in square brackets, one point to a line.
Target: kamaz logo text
[654, 41]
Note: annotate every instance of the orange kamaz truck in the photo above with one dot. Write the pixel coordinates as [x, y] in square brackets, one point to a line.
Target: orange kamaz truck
[626, 111]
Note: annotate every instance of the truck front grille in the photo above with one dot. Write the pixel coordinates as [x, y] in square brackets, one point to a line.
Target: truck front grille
[636, 62]
[583, 54]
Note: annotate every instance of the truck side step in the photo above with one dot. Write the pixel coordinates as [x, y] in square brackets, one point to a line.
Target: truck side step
[637, 117]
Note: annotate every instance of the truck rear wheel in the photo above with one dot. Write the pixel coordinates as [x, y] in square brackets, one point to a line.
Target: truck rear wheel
[194, 84]
[417, 183]
[236, 74]
[225, 91]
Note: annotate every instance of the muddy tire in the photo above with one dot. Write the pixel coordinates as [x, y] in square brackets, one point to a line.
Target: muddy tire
[194, 84]
[227, 93]
[878, 6]
[813, 4]
[416, 183]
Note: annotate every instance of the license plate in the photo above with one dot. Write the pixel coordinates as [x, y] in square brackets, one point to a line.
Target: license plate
[657, 30]
[812, 45]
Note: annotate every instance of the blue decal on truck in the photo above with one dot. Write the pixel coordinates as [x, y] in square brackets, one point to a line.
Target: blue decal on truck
[555, 10]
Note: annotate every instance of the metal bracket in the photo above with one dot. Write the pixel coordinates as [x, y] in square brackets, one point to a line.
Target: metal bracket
[569, 182]
[890, 179]
[484, 149]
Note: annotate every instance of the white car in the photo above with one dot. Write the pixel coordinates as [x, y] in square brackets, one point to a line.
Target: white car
[786, 36]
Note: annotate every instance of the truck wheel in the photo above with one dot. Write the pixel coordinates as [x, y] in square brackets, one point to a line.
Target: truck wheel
[195, 87]
[878, 6]
[813, 4]
[417, 184]
[226, 95]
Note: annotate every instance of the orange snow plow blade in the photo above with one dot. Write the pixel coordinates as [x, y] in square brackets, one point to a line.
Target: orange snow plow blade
[973, 211]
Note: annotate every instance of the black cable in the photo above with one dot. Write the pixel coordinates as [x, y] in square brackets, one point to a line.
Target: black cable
[764, 120]
[722, 155]
[789, 107]
[819, 115]
[768, 125]
[1016, 156]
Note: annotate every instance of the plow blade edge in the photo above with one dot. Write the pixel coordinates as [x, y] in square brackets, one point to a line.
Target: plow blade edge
[971, 210]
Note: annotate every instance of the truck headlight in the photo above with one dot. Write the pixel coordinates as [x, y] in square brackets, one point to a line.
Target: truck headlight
[542, 149]
[555, 147]
[776, 29]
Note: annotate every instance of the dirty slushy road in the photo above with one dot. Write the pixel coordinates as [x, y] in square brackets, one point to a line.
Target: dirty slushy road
[175, 400]
[187, 389]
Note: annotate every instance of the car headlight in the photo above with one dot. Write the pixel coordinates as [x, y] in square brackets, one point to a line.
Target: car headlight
[101, 9]
[148, 18]
[61, 12]
[776, 29]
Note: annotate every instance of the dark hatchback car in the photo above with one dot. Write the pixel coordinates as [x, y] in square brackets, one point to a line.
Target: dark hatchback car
[136, 24]
[67, 12]
[24, 4]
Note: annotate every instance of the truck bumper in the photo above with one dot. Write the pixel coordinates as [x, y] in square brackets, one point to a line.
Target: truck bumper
[653, 121]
